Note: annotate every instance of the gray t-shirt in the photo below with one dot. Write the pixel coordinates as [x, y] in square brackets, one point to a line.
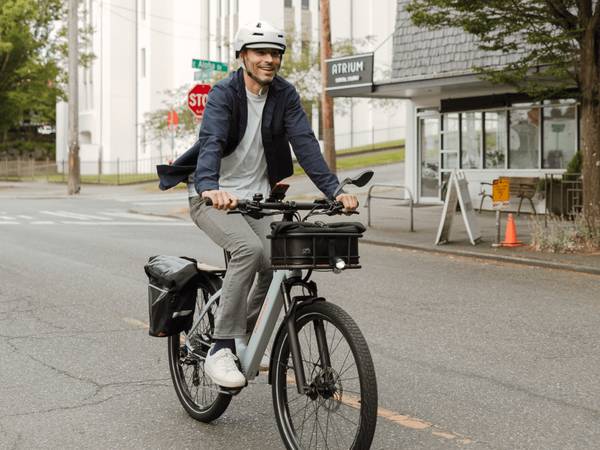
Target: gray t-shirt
[244, 172]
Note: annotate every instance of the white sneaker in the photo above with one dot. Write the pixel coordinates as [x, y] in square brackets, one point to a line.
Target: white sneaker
[221, 368]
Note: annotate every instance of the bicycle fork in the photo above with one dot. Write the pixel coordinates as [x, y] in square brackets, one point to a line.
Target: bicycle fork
[294, 342]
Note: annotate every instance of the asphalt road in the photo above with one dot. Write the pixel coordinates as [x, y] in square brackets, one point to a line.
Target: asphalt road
[469, 354]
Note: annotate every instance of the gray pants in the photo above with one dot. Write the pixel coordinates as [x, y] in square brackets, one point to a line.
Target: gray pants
[245, 239]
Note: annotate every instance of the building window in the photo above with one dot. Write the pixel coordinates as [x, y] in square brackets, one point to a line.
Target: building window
[560, 135]
[429, 143]
[305, 4]
[287, 3]
[450, 140]
[495, 139]
[143, 63]
[470, 155]
[524, 142]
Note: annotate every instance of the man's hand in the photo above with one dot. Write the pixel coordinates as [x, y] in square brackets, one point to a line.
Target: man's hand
[221, 199]
[349, 201]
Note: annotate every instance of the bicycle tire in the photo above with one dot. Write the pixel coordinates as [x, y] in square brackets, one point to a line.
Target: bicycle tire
[362, 404]
[187, 369]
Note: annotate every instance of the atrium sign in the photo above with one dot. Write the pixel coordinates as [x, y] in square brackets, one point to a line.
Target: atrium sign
[350, 75]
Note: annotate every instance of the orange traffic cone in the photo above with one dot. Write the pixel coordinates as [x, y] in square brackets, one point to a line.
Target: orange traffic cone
[510, 237]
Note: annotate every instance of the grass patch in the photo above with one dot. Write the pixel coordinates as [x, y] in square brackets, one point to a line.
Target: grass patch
[107, 179]
[399, 143]
[365, 160]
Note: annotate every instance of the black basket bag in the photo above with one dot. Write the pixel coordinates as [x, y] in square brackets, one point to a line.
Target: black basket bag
[307, 245]
[171, 294]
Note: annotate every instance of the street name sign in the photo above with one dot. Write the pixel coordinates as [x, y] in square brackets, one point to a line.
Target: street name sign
[458, 194]
[197, 98]
[203, 74]
[206, 64]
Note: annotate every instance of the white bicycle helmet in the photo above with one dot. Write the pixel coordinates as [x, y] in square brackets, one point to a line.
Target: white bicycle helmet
[259, 34]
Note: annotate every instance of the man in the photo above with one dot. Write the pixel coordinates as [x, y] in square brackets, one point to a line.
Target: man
[243, 149]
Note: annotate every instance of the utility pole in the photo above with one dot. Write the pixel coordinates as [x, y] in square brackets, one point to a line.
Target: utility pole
[326, 100]
[74, 181]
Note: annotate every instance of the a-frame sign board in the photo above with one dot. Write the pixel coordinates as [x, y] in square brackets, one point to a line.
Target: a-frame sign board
[458, 193]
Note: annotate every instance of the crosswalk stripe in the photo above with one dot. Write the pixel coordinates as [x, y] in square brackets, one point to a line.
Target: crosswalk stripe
[42, 222]
[70, 215]
[178, 223]
[21, 216]
[157, 203]
[9, 223]
[9, 218]
[148, 217]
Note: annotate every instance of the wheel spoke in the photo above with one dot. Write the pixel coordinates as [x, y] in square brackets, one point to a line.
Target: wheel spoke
[332, 426]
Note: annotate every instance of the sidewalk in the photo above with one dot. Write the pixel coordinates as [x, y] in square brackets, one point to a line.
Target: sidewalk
[390, 224]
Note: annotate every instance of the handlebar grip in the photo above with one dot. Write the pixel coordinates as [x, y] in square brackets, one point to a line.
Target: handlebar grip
[207, 201]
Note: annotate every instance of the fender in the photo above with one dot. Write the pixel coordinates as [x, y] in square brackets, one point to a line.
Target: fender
[297, 303]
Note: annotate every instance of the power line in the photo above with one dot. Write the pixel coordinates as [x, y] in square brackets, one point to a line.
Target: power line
[385, 40]
[166, 33]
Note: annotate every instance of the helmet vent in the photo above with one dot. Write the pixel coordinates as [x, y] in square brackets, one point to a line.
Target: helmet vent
[258, 34]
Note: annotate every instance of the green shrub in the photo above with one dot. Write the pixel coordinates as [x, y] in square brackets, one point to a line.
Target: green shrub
[562, 235]
[574, 165]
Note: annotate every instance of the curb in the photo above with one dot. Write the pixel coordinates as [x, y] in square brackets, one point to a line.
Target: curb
[506, 259]
[463, 253]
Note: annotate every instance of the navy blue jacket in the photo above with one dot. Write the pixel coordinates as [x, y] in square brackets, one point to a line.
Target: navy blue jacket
[284, 122]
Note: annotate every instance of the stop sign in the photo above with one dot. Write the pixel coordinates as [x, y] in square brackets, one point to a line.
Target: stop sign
[197, 98]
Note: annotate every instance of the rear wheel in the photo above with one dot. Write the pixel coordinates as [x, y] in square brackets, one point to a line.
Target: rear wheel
[340, 408]
[199, 396]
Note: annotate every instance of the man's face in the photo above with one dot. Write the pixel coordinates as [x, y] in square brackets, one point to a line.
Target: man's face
[263, 63]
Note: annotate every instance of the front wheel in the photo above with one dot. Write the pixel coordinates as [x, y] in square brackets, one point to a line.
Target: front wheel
[339, 411]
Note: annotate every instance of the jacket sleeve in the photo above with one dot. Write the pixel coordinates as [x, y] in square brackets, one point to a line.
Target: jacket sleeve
[213, 136]
[306, 147]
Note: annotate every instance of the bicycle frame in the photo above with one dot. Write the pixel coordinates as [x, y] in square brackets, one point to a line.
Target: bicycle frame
[251, 354]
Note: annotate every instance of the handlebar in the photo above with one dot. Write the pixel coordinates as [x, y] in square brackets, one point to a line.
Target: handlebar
[284, 206]
[329, 207]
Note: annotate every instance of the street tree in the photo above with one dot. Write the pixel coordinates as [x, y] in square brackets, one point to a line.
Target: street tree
[29, 62]
[558, 44]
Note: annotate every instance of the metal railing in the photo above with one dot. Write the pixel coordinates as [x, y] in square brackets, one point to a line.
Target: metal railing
[92, 172]
[405, 201]
[564, 194]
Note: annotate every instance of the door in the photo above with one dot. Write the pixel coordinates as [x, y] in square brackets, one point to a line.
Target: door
[429, 158]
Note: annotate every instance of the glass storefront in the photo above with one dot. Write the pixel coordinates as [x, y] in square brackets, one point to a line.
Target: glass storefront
[495, 142]
[450, 140]
[470, 155]
[560, 134]
[524, 138]
[429, 144]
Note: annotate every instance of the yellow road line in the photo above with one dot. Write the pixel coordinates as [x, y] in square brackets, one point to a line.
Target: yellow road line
[403, 420]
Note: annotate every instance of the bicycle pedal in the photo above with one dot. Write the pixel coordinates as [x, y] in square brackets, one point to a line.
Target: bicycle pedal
[230, 391]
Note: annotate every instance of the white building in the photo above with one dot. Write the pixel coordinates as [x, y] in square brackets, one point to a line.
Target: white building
[143, 48]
